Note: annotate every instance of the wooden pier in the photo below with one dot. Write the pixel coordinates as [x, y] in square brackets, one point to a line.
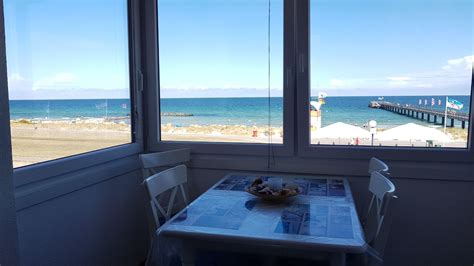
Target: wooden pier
[431, 116]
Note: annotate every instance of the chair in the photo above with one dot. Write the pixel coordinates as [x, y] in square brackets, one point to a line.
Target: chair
[170, 179]
[377, 165]
[152, 164]
[379, 216]
[152, 161]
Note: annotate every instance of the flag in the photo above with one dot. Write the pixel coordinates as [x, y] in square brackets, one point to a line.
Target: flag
[419, 101]
[439, 102]
[454, 104]
[426, 101]
[432, 101]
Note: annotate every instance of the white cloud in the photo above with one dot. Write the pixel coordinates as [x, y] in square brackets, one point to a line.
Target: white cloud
[16, 82]
[455, 61]
[337, 83]
[15, 77]
[423, 85]
[399, 79]
[460, 63]
[60, 80]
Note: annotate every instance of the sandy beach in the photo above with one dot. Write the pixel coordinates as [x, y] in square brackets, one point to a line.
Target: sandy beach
[39, 141]
[222, 133]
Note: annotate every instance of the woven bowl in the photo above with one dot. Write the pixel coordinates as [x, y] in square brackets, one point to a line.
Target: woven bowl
[269, 197]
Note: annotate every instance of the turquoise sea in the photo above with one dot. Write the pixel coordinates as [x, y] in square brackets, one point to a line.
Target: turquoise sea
[227, 111]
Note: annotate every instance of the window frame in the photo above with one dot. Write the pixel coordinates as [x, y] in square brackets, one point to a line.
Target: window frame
[306, 149]
[286, 149]
[44, 170]
[296, 116]
[8, 226]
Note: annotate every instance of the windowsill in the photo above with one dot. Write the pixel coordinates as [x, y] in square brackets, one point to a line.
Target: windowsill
[41, 171]
[388, 153]
[400, 169]
[225, 148]
[46, 189]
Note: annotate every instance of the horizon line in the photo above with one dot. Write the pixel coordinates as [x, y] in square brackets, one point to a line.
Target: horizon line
[242, 97]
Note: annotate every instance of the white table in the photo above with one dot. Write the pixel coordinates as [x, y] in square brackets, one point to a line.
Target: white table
[322, 220]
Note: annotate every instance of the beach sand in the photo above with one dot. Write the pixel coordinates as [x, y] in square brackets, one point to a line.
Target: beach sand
[39, 141]
[222, 133]
[49, 140]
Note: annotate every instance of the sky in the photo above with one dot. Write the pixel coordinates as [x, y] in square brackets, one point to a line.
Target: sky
[78, 49]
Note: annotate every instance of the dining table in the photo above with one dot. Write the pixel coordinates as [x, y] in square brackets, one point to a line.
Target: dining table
[320, 222]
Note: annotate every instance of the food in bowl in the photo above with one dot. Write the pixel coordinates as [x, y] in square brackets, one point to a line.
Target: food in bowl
[261, 188]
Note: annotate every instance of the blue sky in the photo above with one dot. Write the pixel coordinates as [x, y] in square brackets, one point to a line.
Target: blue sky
[216, 48]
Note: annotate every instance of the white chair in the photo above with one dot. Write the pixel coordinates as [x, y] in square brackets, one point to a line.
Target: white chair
[376, 165]
[153, 163]
[379, 216]
[172, 180]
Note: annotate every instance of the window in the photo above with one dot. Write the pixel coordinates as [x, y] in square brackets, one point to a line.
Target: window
[68, 77]
[384, 76]
[214, 58]
[390, 73]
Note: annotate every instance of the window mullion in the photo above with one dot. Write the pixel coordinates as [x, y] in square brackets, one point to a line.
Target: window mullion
[8, 230]
[302, 77]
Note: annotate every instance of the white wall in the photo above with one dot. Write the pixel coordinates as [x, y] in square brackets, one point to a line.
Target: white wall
[434, 223]
[104, 222]
[101, 223]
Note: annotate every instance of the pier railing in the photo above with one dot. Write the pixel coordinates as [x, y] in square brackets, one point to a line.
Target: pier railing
[434, 116]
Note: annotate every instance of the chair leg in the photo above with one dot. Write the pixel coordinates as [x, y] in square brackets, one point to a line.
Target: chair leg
[338, 259]
[188, 255]
[270, 261]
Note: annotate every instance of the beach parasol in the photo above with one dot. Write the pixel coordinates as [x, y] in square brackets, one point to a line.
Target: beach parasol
[341, 130]
[413, 132]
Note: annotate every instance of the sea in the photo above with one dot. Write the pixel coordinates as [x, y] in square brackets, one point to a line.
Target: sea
[231, 111]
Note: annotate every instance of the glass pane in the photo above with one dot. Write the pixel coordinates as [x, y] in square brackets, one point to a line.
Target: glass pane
[391, 72]
[68, 77]
[214, 70]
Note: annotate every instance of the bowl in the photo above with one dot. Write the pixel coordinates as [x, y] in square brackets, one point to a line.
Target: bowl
[271, 197]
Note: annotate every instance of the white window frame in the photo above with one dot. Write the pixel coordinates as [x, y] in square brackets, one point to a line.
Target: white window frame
[296, 101]
[8, 229]
[44, 170]
[305, 149]
[154, 141]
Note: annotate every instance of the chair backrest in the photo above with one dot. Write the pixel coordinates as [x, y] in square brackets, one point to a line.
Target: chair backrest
[151, 161]
[170, 179]
[379, 214]
[377, 165]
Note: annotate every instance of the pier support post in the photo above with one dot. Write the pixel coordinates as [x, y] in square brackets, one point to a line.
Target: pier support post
[435, 119]
[422, 116]
[463, 124]
[452, 123]
[443, 121]
[428, 117]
